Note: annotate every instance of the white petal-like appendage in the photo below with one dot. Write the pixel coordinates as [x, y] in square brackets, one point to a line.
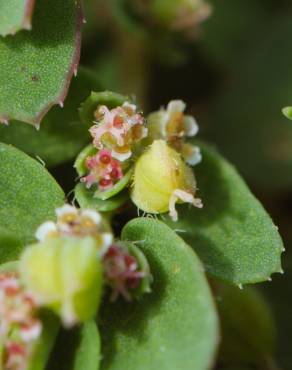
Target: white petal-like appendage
[121, 156]
[176, 106]
[191, 126]
[93, 215]
[66, 209]
[192, 155]
[45, 229]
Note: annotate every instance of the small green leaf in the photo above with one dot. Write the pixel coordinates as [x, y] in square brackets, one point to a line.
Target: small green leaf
[77, 349]
[10, 246]
[28, 194]
[85, 198]
[15, 15]
[244, 313]
[44, 345]
[37, 66]
[175, 326]
[62, 135]
[87, 356]
[79, 164]
[108, 98]
[287, 112]
[233, 235]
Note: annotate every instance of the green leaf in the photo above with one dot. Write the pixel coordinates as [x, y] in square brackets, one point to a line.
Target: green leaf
[15, 15]
[28, 194]
[233, 235]
[244, 313]
[36, 67]
[10, 246]
[174, 327]
[108, 98]
[86, 199]
[44, 345]
[87, 356]
[62, 135]
[80, 164]
[77, 349]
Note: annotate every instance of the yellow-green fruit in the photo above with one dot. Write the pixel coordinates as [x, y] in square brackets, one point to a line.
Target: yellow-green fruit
[64, 274]
[159, 172]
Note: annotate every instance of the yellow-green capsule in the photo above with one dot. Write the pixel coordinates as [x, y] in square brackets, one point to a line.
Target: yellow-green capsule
[161, 179]
[64, 274]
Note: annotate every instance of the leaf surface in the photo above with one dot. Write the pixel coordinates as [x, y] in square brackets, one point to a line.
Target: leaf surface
[28, 194]
[36, 67]
[175, 326]
[61, 135]
[233, 234]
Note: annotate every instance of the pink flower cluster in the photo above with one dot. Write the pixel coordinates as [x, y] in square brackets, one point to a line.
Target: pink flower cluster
[114, 133]
[118, 129]
[19, 327]
[121, 272]
[104, 170]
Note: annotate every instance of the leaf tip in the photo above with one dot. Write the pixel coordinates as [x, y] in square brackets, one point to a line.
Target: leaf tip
[287, 111]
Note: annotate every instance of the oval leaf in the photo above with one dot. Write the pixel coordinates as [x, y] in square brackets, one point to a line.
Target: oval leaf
[37, 66]
[233, 235]
[28, 193]
[15, 15]
[161, 330]
[62, 135]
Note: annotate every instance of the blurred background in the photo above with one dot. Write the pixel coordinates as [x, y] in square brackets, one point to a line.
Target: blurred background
[231, 62]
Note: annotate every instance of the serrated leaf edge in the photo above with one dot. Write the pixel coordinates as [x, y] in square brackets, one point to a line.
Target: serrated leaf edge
[71, 71]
